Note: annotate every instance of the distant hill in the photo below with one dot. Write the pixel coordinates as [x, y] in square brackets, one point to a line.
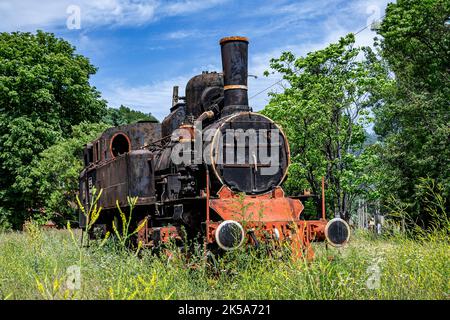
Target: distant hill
[371, 138]
[124, 115]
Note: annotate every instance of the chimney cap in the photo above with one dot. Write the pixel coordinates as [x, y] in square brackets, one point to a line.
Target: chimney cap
[234, 38]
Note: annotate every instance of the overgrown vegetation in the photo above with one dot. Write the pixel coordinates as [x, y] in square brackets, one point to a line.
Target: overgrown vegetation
[34, 265]
[402, 87]
[323, 111]
[44, 92]
[48, 111]
[413, 123]
[62, 264]
[124, 115]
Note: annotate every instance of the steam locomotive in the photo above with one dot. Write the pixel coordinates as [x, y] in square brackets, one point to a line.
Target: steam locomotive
[212, 169]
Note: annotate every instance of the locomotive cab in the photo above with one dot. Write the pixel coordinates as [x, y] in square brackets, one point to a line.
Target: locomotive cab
[118, 164]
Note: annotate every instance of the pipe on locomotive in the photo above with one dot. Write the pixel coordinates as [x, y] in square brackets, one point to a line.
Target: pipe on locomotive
[235, 72]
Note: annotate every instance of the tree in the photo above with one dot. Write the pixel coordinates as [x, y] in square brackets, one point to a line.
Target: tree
[44, 91]
[53, 177]
[323, 111]
[22, 140]
[413, 120]
[124, 115]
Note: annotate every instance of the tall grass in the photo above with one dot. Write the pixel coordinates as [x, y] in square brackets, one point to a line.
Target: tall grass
[33, 265]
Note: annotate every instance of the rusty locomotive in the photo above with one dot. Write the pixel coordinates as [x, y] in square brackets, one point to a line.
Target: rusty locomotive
[201, 171]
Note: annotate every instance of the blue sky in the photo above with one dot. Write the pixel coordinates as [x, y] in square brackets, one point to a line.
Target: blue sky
[143, 48]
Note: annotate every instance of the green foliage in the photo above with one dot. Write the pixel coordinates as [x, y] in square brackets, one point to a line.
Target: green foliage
[34, 265]
[91, 214]
[416, 41]
[5, 218]
[44, 91]
[125, 235]
[435, 204]
[42, 77]
[124, 115]
[435, 210]
[323, 111]
[21, 141]
[52, 181]
[413, 121]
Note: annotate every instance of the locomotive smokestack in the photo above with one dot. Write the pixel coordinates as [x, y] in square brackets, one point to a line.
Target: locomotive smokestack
[235, 72]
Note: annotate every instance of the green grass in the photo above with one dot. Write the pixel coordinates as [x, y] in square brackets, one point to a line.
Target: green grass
[33, 266]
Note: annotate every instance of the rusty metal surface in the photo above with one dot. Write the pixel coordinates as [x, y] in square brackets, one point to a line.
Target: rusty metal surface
[129, 174]
[139, 134]
[299, 234]
[269, 207]
[154, 237]
[174, 120]
[235, 73]
[247, 177]
[195, 89]
[233, 38]
[198, 197]
[126, 175]
[270, 217]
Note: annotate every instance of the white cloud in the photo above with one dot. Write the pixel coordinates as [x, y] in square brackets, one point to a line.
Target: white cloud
[180, 34]
[28, 15]
[155, 97]
[182, 7]
[333, 29]
[118, 12]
